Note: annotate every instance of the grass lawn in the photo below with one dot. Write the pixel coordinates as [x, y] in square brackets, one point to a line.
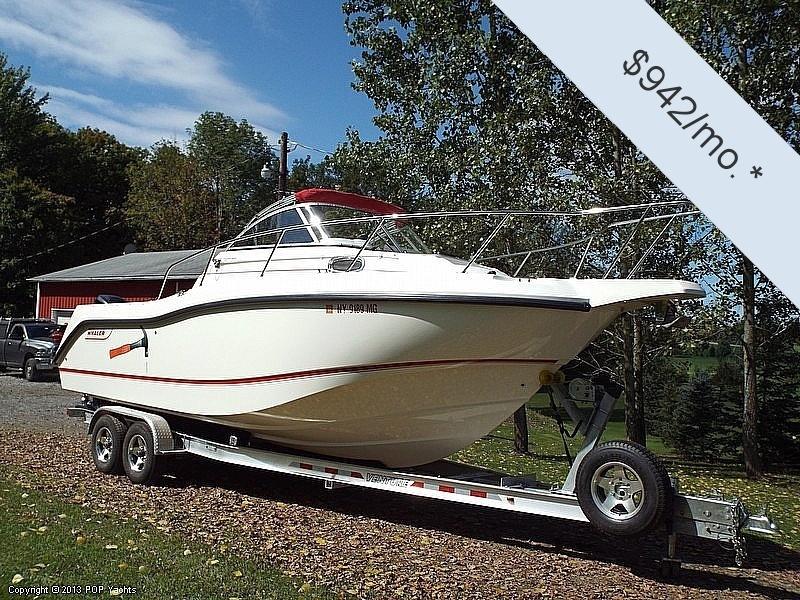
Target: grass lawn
[46, 542]
[780, 493]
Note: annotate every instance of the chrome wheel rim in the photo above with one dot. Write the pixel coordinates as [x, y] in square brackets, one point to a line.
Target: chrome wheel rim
[103, 445]
[617, 491]
[137, 453]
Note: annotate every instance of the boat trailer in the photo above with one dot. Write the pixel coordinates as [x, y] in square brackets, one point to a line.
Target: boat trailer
[587, 404]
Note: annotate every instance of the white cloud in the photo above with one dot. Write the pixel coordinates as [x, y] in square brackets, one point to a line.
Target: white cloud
[121, 41]
[141, 125]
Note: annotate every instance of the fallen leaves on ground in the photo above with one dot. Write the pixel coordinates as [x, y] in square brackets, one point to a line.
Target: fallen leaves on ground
[362, 542]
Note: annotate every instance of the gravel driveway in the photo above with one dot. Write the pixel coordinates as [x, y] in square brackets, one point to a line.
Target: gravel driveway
[36, 405]
[371, 543]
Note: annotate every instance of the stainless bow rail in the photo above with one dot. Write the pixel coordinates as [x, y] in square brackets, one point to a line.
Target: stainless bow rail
[505, 218]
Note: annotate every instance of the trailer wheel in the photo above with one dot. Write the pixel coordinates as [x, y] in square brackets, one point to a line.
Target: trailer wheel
[139, 459]
[106, 444]
[623, 488]
[30, 370]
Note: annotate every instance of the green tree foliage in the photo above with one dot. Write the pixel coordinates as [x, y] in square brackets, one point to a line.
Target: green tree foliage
[460, 93]
[778, 378]
[307, 174]
[230, 155]
[754, 47]
[22, 119]
[664, 380]
[29, 215]
[61, 193]
[169, 205]
[195, 197]
[698, 425]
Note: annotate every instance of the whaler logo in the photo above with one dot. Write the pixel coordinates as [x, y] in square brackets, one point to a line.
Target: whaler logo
[98, 334]
[384, 480]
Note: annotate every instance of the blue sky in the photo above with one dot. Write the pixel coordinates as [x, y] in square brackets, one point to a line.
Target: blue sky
[145, 70]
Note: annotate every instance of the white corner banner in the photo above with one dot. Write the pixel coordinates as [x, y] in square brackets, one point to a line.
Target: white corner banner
[677, 110]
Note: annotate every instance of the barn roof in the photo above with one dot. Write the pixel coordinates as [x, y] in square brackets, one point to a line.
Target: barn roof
[132, 267]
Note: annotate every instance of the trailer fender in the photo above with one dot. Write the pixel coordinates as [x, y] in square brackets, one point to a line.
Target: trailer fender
[163, 441]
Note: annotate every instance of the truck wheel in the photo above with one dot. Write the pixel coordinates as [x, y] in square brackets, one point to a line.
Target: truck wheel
[30, 370]
[623, 488]
[106, 444]
[139, 460]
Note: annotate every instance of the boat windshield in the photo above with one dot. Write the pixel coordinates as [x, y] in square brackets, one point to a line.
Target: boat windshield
[395, 235]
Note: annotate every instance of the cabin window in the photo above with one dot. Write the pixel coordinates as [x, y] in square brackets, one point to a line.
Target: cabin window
[294, 236]
[286, 218]
[16, 333]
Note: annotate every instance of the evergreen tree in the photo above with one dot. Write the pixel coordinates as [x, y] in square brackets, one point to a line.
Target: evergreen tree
[690, 431]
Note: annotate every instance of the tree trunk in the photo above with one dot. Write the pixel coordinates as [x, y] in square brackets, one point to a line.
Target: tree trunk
[521, 430]
[752, 459]
[634, 414]
[633, 411]
[640, 430]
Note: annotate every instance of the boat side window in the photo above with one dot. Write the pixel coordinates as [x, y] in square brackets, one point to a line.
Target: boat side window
[294, 236]
[286, 218]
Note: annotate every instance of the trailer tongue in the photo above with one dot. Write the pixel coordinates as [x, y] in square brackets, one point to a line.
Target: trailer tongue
[619, 487]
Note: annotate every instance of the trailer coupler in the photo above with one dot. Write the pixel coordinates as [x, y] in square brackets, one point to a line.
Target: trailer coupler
[714, 517]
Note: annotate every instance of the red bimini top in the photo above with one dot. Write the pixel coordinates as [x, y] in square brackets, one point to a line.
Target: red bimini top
[355, 201]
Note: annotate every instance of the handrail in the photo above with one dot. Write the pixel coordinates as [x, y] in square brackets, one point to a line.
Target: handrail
[505, 214]
[625, 245]
[647, 252]
[487, 241]
[176, 263]
[364, 245]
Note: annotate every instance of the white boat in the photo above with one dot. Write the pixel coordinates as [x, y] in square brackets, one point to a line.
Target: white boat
[327, 326]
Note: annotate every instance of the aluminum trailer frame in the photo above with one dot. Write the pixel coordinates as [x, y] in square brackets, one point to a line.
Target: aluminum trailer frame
[713, 517]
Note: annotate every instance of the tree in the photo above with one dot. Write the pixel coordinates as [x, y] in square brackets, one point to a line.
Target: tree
[29, 215]
[754, 47]
[169, 205]
[22, 118]
[699, 425]
[73, 182]
[205, 194]
[230, 156]
[306, 174]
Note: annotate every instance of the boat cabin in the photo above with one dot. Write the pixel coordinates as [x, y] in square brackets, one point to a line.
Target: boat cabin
[305, 219]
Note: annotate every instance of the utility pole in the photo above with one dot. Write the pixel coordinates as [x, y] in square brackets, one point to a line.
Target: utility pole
[283, 170]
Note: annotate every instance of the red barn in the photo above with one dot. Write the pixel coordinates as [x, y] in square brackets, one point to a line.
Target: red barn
[134, 277]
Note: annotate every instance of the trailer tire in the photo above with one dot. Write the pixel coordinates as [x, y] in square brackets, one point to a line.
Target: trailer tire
[105, 446]
[139, 459]
[623, 488]
[30, 370]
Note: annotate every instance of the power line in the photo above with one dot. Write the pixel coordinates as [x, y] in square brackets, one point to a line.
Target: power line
[302, 145]
[296, 143]
[69, 243]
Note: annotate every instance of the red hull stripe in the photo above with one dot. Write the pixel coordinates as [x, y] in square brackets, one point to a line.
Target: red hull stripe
[313, 373]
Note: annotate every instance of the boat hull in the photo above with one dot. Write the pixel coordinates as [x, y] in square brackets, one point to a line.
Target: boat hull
[402, 383]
